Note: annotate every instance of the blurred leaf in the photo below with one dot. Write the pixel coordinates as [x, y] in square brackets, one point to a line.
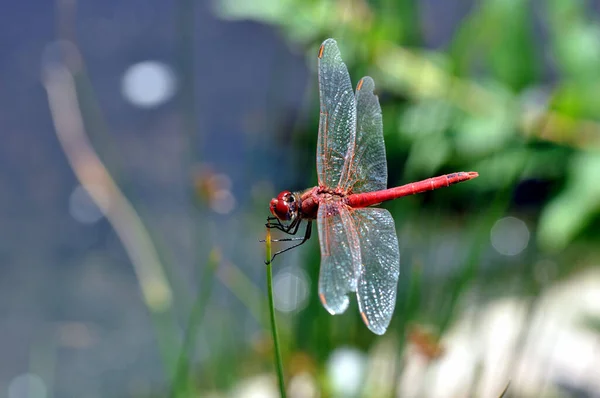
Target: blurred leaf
[571, 210]
[510, 47]
[545, 163]
[578, 50]
[427, 155]
[575, 39]
[478, 136]
[401, 21]
[424, 123]
[502, 169]
[592, 323]
[497, 36]
[270, 11]
[426, 117]
[408, 72]
[578, 99]
[304, 21]
[575, 42]
[481, 134]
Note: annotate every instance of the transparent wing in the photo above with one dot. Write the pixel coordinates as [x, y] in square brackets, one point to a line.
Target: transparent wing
[337, 123]
[340, 255]
[366, 171]
[378, 280]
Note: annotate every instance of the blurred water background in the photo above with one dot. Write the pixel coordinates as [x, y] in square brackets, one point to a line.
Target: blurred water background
[142, 142]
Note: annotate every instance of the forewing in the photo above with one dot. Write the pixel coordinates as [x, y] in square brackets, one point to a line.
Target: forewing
[337, 123]
[340, 256]
[367, 169]
[380, 267]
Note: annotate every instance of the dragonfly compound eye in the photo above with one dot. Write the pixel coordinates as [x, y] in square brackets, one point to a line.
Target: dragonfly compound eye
[284, 206]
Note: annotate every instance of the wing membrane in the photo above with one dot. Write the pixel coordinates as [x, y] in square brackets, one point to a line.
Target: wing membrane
[337, 123]
[340, 255]
[378, 280]
[359, 247]
[366, 170]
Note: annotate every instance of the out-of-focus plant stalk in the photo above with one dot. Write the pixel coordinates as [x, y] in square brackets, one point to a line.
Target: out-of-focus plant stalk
[181, 377]
[94, 177]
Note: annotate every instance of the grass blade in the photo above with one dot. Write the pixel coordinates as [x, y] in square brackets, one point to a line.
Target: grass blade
[277, 352]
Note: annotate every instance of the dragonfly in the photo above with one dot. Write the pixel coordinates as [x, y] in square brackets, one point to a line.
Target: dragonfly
[358, 242]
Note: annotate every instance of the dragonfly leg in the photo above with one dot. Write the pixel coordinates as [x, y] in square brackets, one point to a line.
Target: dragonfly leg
[306, 237]
[296, 238]
[279, 226]
[291, 229]
[286, 239]
[270, 224]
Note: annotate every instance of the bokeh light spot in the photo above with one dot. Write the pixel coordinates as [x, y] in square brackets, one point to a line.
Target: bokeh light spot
[345, 368]
[83, 208]
[27, 385]
[509, 236]
[148, 84]
[224, 202]
[290, 289]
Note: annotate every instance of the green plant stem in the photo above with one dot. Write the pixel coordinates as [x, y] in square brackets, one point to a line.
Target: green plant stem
[276, 349]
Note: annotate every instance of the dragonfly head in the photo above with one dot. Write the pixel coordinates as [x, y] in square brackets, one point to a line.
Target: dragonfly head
[285, 206]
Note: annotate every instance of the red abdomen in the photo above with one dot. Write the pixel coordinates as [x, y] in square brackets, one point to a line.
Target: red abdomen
[372, 198]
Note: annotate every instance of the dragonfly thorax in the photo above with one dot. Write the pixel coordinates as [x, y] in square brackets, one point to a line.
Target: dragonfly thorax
[285, 206]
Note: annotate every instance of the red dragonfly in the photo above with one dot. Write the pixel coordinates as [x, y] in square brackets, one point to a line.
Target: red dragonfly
[359, 246]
